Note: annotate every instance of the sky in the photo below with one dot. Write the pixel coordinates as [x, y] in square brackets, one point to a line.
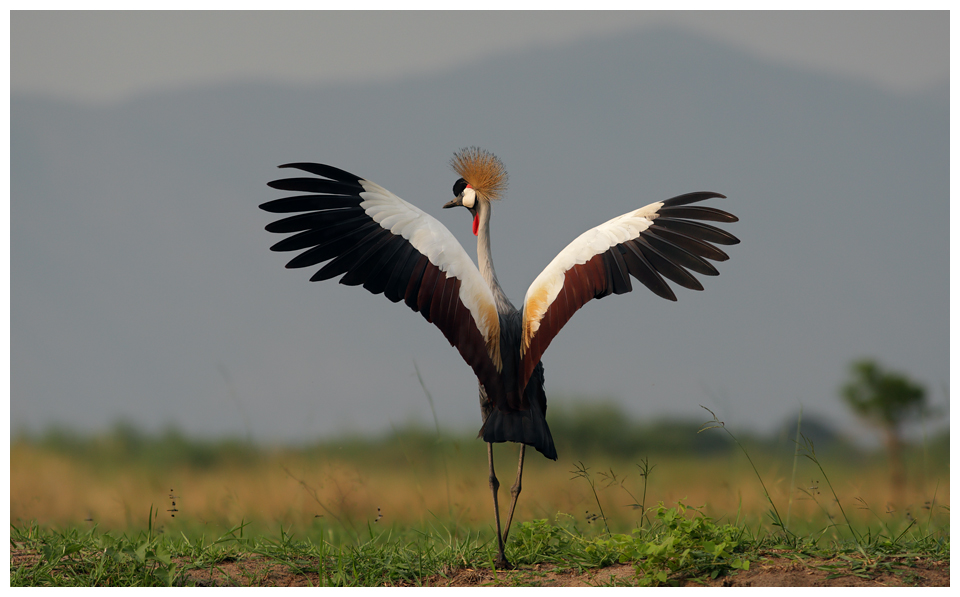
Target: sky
[110, 61]
[116, 55]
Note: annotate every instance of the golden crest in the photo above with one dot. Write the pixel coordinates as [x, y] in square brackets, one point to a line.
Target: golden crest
[482, 170]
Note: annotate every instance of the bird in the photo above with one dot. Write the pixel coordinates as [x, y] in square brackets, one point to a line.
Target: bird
[372, 237]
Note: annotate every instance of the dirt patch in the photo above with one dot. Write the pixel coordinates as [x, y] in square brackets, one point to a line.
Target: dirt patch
[771, 572]
[774, 570]
[788, 572]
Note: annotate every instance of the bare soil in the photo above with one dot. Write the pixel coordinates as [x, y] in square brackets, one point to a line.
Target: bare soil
[773, 571]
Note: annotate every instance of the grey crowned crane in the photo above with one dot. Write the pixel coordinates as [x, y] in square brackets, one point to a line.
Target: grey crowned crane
[389, 246]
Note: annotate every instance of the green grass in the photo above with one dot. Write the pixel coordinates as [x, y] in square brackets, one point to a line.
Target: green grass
[680, 544]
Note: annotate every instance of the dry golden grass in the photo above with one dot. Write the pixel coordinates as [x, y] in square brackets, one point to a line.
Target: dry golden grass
[298, 491]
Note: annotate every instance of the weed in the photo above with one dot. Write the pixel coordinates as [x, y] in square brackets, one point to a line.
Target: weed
[793, 473]
[807, 449]
[645, 469]
[581, 472]
[436, 423]
[678, 547]
[716, 423]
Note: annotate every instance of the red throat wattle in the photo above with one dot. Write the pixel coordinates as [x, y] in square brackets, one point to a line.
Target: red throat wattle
[476, 223]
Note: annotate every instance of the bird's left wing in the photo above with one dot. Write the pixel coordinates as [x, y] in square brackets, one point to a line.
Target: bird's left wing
[656, 241]
[390, 246]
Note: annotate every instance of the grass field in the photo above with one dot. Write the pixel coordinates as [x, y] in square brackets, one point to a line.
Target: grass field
[414, 508]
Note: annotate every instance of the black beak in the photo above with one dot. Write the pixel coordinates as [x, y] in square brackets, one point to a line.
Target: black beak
[455, 203]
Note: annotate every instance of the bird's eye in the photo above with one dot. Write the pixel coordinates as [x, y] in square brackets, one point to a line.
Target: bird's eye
[459, 186]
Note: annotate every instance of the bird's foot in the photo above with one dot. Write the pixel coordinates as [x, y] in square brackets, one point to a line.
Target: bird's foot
[501, 563]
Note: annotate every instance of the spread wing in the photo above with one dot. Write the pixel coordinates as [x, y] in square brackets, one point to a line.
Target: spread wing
[660, 240]
[374, 238]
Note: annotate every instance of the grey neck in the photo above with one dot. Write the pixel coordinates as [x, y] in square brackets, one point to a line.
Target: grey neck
[485, 259]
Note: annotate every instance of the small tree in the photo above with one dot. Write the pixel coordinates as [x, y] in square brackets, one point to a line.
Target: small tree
[886, 400]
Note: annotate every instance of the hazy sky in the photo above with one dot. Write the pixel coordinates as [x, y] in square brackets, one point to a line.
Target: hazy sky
[117, 54]
[107, 59]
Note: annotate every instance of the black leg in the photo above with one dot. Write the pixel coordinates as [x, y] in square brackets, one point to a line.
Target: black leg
[515, 492]
[501, 561]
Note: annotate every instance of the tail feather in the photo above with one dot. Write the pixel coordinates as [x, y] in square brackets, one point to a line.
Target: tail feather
[525, 427]
[521, 426]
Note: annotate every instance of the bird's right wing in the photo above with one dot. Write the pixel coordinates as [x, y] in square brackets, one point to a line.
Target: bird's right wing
[390, 246]
[650, 243]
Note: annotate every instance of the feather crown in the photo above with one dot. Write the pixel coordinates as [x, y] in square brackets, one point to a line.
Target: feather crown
[482, 170]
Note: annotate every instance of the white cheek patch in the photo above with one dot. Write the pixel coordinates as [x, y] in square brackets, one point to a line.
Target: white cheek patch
[469, 197]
